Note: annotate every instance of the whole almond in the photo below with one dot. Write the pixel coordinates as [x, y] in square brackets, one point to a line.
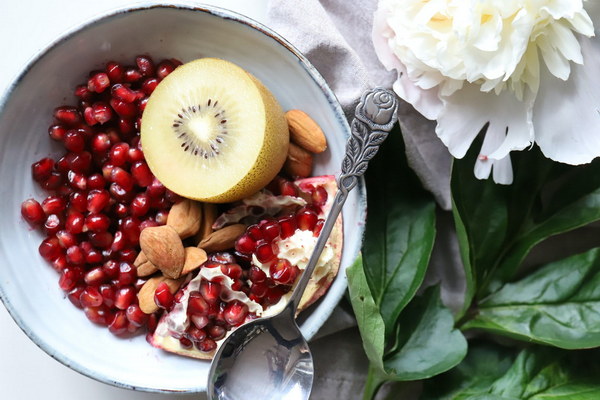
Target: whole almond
[222, 239]
[209, 216]
[143, 266]
[146, 293]
[299, 162]
[163, 248]
[194, 257]
[185, 217]
[305, 132]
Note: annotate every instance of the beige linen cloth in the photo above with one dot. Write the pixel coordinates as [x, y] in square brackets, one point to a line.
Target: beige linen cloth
[335, 35]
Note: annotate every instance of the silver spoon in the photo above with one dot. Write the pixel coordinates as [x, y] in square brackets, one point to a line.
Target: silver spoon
[268, 358]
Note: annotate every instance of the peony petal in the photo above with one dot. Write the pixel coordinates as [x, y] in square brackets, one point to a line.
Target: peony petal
[567, 114]
[503, 172]
[425, 102]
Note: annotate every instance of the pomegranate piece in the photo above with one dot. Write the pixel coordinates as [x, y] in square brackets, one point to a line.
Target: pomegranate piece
[235, 313]
[33, 212]
[163, 296]
[288, 226]
[196, 304]
[283, 272]
[306, 219]
[210, 291]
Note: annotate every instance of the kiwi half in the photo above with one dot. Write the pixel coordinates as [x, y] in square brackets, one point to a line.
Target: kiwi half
[213, 132]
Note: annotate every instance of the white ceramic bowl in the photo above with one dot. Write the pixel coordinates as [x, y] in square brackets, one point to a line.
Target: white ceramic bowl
[28, 285]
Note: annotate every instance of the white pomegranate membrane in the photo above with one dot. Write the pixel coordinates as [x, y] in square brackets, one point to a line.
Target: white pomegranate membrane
[101, 194]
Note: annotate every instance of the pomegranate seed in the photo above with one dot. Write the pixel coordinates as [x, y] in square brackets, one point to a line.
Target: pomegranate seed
[120, 194]
[54, 205]
[200, 321]
[222, 257]
[106, 170]
[273, 295]
[101, 143]
[161, 217]
[259, 289]
[207, 345]
[74, 295]
[235, 313]
[185, 343]
[256, 275]
[102, 112]
[119, 154]
[245, 244]
[145, 65]
[144, 178]
[237, 285]
[164, 68]
[319, 196]
[128, 255]
[75, 255]
[74, 141]
[97, 222]
[197, 305]
[95, 276]
[108, 294]
[195, 334]
[66, 239]
[127, 127]
[318, 227]
[121, 177]
[270, 230]
[132, 75]
[118, 325]
[41, 170]
[111, 267]
[163, 296]
[64, 191]
[125, 110]
[131, 229]
[127, 274]
[96, 182]
[80, 162]
[53, 182]
[283, 272]
[149, 85]
[83, 93]
[53, 224]
[98, 82]
[135, 154]
[75, 223]
[121, 210]
[210, 291]
[123, 93]
[67, 115]
[125, 297]
[254, 232]
[176, 62]
[216, 332]
[287, 226]
[57, 132]
[32, 212]
[77, 180]
[69, 278]
[233, 271]
[287, 188]
[140, 205]
[115, 71]
[135, 315]
[63, 163]
[92, 255]
[88, 115]
[101, 240]
[97, 200]
[265, 251]
[306, 219]
[50, 249]
[90, 297]
[172, 197]
[142, 104]
[100, 315]
[148, 223]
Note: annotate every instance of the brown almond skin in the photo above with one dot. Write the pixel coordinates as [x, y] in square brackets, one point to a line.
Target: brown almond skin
[305, 132]
[146, 293]
[143, 266]
[222, 239]
[186, 218]
[210, 212]
[194, 258]
[163, 247]
[299, 162]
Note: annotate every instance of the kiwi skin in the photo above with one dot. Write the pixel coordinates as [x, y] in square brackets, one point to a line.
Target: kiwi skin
[277, 141]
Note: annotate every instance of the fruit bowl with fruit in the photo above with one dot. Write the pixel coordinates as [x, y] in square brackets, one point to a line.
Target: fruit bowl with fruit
[162, 190]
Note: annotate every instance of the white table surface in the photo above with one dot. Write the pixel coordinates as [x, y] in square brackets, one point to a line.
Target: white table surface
[26, 26]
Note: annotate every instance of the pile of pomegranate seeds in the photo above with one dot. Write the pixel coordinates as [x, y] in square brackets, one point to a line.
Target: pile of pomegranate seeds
[101, 194]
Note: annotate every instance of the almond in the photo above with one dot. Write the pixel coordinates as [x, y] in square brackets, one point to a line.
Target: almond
[163, 248]
[209, 216]
[185, 217]
[222, 239]
[299, 162]
[305, 132]
[143, 265]
[194, 258]
[146, 293]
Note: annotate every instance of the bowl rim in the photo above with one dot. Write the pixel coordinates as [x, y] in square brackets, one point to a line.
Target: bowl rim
[216, 11]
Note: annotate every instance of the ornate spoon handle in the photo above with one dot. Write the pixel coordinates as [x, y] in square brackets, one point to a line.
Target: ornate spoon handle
[374, 117]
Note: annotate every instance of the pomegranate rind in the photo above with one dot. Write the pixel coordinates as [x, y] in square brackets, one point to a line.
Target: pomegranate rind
[314, 290]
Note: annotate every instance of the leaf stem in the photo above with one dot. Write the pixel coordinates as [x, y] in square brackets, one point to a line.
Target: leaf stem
[375, 379]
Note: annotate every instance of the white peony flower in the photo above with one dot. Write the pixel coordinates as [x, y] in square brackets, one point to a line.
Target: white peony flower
[516, 66]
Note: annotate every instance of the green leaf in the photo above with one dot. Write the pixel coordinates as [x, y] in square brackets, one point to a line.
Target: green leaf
[557, 305]
[400, 231]
[499, 225]
[493, 372]
[370, 323]
[428, 342]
